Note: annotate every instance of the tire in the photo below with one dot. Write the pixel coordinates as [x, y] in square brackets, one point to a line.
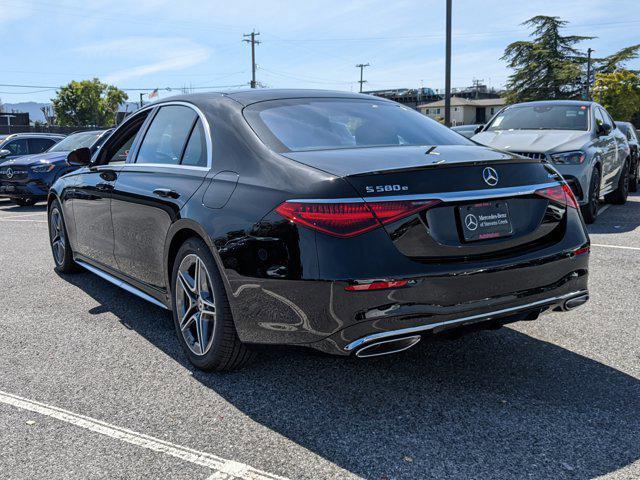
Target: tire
[633, 181]
[590, 210]
[620, 194]
[201, 313]
[24, 202]
[59, 240]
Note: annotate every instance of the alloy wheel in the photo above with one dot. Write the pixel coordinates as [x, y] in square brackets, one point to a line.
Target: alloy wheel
[58, 239]
[195, 304]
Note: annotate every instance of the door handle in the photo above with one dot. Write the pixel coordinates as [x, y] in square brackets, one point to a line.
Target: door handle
[108, 175]
[104, 187]
[166, 193]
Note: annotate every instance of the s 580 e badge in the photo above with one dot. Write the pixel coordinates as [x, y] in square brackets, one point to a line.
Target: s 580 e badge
[385, 188]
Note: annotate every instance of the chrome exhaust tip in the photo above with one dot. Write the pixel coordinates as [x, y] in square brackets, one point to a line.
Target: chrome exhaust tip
[388, 347]
[575, 302]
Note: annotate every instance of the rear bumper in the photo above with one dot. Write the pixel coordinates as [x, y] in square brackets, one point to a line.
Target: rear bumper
[323, 315]
[527, 311]
[433, 307]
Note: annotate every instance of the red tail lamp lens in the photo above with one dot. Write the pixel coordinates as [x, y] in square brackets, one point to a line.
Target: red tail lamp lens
[377, 285]
[581, 251]
[349, 219]
[561, 194]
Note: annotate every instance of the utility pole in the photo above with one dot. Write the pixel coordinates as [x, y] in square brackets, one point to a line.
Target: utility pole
[251, 38]
[447, 73]
[141, 94]
[361, 67]
[589, 52]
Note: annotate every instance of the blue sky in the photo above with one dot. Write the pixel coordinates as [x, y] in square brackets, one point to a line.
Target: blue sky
[307, 44]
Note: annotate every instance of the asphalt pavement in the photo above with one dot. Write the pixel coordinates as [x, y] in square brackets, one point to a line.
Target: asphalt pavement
[93, 384]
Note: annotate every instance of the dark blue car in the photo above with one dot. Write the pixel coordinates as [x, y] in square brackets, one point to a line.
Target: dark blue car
[26, 180]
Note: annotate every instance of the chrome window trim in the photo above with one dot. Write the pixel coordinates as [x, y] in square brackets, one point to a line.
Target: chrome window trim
[207, 134]
[445, 196]
[481, 316]
[166, 165]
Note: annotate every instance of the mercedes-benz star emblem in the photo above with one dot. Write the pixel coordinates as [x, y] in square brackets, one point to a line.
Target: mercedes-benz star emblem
[490, 176]
[471, 222]
[9, 172]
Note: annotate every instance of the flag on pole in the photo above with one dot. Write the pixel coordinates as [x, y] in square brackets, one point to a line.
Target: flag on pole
[153, 94]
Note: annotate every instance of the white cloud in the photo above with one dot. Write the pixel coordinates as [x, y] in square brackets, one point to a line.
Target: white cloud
[160, 55]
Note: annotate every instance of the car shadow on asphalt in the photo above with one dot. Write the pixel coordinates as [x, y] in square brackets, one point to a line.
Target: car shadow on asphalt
[619, 218]
[489, 405]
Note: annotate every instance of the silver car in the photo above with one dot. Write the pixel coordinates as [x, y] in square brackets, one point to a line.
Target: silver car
[580, 138]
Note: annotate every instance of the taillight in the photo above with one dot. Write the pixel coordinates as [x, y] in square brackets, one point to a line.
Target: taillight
[561, 194]
[350, 219]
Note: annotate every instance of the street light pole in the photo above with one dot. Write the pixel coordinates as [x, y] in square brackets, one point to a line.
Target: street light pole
[447, 74]
[589, 52]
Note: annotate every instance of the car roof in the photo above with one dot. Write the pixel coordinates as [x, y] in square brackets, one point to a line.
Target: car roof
[34, 135]
[249, 96]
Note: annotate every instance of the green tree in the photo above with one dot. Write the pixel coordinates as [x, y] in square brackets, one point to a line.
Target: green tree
[619, 93]
[87, 103]
[547, 66]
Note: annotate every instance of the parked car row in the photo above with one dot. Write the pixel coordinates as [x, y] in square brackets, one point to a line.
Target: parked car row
[597, 156]
[342, 222]
[28, 174]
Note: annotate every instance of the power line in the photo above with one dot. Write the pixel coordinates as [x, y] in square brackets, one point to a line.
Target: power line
[47, 88]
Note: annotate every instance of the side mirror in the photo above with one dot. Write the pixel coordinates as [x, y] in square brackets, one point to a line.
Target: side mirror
[478, 129]
[604, 129]
[80, 157]
[5, 153]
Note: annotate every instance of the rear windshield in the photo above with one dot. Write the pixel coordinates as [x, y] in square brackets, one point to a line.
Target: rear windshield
[542, 117]
[75, 141]
[329, 123]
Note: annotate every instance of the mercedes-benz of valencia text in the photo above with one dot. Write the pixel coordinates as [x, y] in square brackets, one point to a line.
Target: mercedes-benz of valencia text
[342, 222]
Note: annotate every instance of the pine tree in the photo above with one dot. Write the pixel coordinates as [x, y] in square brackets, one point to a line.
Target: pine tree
[547, 66]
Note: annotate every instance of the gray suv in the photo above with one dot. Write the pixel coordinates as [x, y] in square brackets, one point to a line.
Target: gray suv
[579, 138]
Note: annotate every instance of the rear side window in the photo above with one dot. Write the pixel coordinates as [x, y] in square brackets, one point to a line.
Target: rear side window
[17, 147]
[165, 139]
[39, 145]
[195, 154]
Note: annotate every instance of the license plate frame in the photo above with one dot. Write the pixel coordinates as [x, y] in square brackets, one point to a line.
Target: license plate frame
[485, 220]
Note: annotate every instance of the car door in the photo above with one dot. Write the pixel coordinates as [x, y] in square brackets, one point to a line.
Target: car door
[608, 151]
[169, 166]
[92, 191]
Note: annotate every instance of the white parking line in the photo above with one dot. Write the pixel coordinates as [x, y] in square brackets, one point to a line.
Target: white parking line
[24, 215]
[604, 208]
[223, 469]
[21, 220]
[614, 246]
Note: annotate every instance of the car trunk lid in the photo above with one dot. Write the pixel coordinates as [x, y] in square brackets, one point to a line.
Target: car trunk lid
[487, 200]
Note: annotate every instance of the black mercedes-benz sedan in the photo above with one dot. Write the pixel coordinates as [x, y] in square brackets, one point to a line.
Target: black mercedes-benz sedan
[338, 221]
